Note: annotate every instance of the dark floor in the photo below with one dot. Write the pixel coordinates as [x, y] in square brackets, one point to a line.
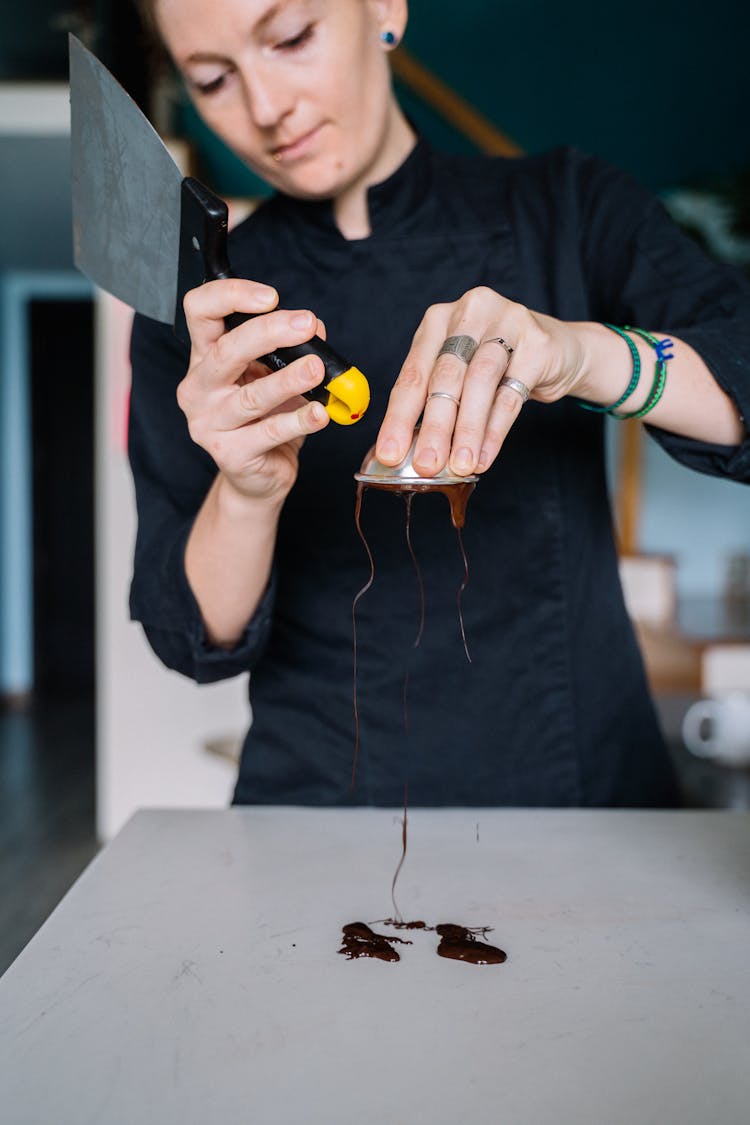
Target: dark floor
[47, 807]
[47, 833]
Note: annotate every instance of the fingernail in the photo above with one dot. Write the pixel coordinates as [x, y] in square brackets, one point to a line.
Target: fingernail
[388, 451]
[302, 320]
[428, 458]
[483, 461]
[317, 412]
[264, 294]
[463, 460]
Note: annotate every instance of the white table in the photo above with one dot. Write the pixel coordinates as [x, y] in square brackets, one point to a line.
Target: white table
[191, 974]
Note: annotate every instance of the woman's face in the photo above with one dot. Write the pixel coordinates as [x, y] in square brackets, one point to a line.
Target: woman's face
[300, 89]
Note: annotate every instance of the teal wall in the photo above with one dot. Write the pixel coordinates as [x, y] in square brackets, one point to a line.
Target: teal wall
[662, 89]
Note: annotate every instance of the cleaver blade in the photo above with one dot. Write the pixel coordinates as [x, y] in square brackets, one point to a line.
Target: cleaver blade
[148, 235]
[126, 192]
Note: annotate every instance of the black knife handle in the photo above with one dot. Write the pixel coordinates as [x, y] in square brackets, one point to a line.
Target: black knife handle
[332, 362]
[203, 257]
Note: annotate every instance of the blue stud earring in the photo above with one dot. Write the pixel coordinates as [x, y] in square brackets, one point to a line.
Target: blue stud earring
[388, 38]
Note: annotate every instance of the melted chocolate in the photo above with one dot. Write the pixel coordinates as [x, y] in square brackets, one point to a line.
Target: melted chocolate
[360, 594]
[458, 497]
[457, 494]
[397, 912]
[361, 941]
[460, 944]
[409, 498]
[456, 942]
[461, 589]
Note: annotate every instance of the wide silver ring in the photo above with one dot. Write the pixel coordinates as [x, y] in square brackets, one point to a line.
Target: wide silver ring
[461, 346]
[517, 386]
[443, 394]
[503, 344]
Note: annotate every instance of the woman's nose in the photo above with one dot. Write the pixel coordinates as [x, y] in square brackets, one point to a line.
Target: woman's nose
[268, 99]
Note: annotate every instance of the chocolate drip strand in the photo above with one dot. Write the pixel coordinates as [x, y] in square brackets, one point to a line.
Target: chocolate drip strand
[461, 589]
[357, 596]
[409, 497]
[396, 911]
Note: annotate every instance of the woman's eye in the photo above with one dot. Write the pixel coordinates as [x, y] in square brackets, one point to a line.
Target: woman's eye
[210, 87]
[297, 40]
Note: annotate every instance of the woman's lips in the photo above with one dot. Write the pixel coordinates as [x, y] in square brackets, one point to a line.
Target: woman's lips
[297, 147]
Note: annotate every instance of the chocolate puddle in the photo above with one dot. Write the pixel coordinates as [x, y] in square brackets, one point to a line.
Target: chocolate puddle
[361, 941]
[457, 943]
[460, 944]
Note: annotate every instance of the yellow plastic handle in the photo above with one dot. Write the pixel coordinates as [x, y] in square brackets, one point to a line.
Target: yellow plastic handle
[349, 397]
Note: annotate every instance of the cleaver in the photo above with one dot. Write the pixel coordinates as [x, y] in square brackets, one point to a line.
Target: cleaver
[147, 234]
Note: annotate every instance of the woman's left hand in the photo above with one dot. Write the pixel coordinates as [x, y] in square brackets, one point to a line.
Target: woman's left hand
[466, 424]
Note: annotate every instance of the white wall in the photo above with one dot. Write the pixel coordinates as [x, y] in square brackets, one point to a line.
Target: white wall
[698, 519]
[152, 725]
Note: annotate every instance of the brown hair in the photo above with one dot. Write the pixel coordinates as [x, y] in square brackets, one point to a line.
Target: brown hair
[147, 11]
[157, 56]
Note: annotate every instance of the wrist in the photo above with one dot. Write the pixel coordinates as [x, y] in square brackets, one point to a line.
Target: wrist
[611, 373]
[236, 506]
[605, 366]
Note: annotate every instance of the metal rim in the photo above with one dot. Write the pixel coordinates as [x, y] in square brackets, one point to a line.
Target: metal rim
[434, 482]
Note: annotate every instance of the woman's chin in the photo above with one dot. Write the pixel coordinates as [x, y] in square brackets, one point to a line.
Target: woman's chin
[309, 180]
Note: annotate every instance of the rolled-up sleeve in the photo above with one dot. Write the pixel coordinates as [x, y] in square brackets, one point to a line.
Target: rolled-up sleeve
[644, 270]
[172, 476]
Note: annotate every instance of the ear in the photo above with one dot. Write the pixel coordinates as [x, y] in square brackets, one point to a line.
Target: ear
[390, 15]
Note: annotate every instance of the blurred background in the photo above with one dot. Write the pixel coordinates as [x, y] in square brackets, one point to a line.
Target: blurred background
[91, 726]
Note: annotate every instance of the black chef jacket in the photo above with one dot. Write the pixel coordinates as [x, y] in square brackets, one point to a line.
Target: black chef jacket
[553, 708]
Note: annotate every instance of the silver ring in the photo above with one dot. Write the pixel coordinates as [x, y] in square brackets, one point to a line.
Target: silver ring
[443, 394]
[515, 385]
[461, 346]
[503, 344]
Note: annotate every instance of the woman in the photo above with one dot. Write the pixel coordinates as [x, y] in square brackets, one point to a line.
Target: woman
[247, 555]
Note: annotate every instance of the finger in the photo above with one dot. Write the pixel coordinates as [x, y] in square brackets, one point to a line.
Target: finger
[435, 437]
[533, 355]
[229, 356]
[207, 306]
[234, 451]
[407, 397]
[505, 409]
[489, 363]
[253, 400]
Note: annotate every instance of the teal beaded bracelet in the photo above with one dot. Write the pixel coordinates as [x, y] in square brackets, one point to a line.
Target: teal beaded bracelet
[660, 372]
[631, 385]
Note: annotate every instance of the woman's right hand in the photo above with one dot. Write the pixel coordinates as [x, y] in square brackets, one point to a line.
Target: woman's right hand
[251, 423]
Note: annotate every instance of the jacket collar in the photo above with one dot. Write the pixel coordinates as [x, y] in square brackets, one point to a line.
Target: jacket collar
[392, 204]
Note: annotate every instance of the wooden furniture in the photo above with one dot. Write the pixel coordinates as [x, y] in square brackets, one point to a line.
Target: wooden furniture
[704, 650]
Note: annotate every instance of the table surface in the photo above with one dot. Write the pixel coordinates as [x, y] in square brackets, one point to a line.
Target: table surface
[191, 974]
